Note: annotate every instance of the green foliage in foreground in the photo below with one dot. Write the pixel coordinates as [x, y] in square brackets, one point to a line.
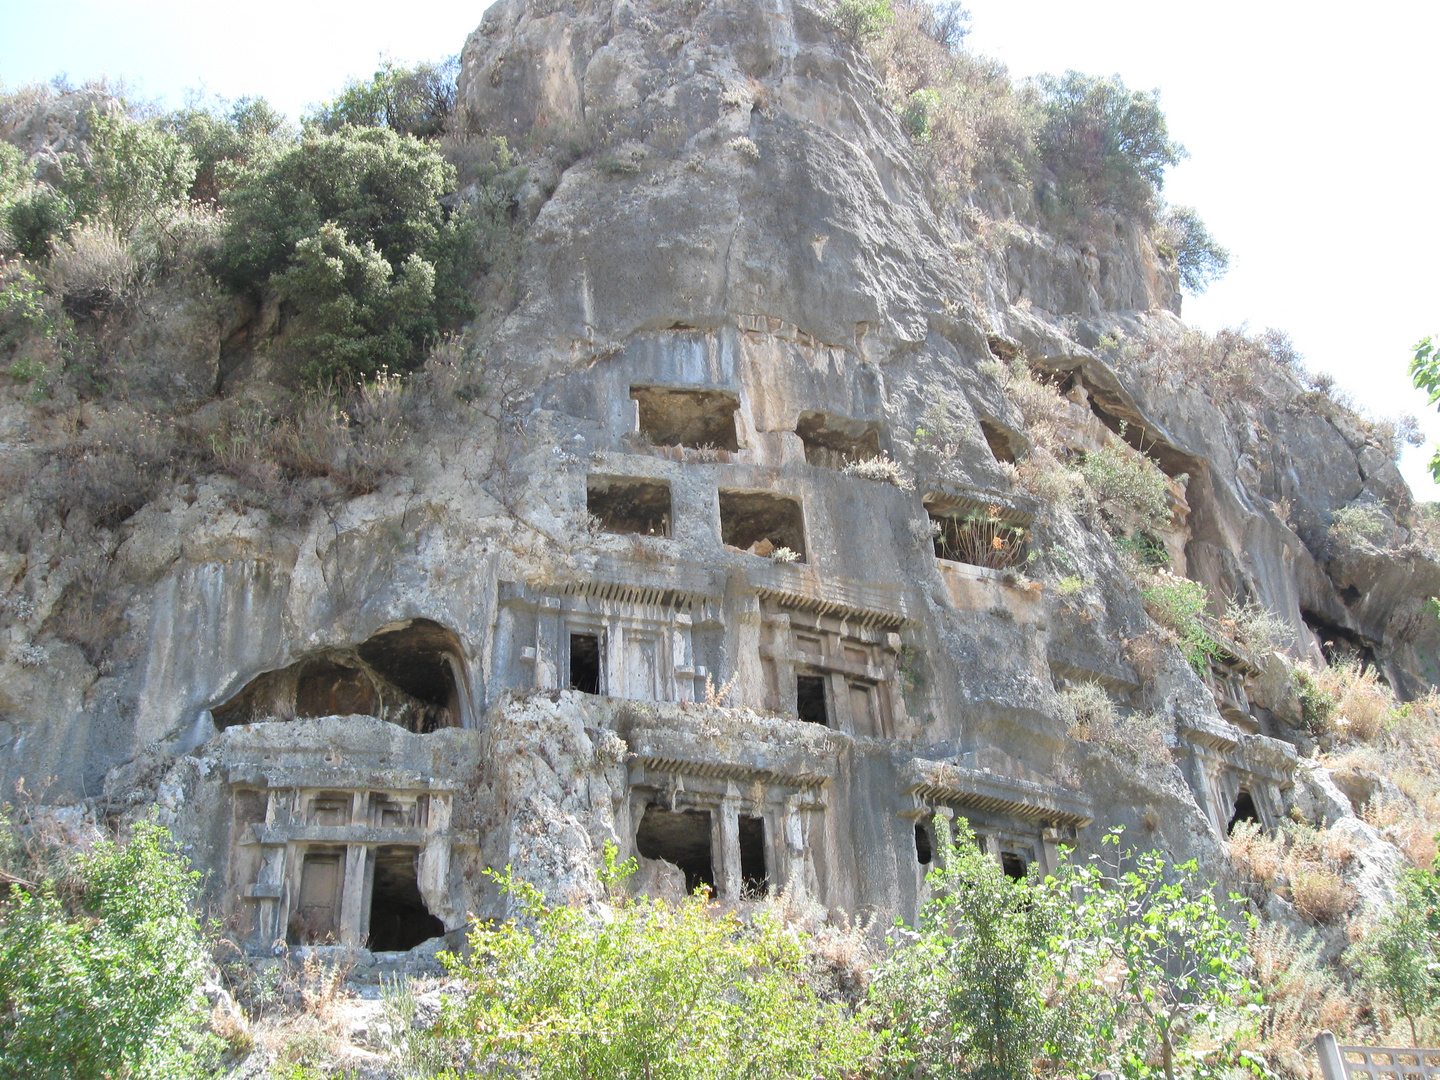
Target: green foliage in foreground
[1400, 957]
[1126, 962]
[653, 991]
[1425, 372]
[99, 969]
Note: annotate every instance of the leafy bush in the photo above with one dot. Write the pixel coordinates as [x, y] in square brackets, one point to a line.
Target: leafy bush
[1177, 603]
[319, 220]
[408, 100]
[38, 219]
[653, 990]
[964, 993]
[1106, 145]
[93, 271]
[224, 143]
[102, 969]
[860, 21]
[1400, 956]
[1360, 523]
[1184, 238]
[1261, 629]
[138, 171]
[1130, 487]
[1155, 962]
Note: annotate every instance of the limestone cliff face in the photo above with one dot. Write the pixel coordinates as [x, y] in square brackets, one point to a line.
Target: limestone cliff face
[735, 285]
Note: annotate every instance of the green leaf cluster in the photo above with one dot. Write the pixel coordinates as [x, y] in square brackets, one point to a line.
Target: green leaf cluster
[1118, 962]
[859, 21]
[650, 990]
[1425, 373]
[1106, 145]
[414, 100]
[1400, 956]
[1178, 603]
[99, 971]
[351, 229]
[1130, 487]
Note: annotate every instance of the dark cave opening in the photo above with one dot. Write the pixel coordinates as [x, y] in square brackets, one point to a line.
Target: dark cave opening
[998, 441]
[1244, 811]
[680, 837]
[836, 441]
[1014, 865]
[924, 845]
[399, 919]
[1341, 646]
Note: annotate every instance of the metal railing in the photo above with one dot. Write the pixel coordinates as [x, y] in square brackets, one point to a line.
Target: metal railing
[1375, 1062]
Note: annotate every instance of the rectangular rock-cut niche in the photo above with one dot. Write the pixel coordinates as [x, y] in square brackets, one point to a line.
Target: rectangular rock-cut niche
[702, 419]
[585, 663]
[760, 522]
[810, 699]
[754, 874]
[628, 504]
[681, 837]
[980, 536]
[836, 441]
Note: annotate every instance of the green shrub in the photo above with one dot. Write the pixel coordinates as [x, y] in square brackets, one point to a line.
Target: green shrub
[964, 994]
[1177, 604]
[1317, 704]
[651, 991]
[138, 171]
[99, 971]
[1360, 523]
[359, 316]
[1106, 145]
[223, 144]
[1152, 961]
[1130, 487]
[860, 21]
[1400, 956]
[38, 219]
[1199, 258]
[408, 100]
[318, 220]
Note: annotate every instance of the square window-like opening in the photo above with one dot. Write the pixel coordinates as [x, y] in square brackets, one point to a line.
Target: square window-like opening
[754, 878]
[585, 663]
[979, 537]
[399, 919]
[625, 504]
[837, 441]
[680, 837]
[760, 522]
[810, 704]
[1014, 865]
[696, 418]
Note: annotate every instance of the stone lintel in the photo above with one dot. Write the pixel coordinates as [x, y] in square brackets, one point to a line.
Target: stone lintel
[956, 786]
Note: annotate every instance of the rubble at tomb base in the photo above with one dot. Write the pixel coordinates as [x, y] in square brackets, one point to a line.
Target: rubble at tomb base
[749, 563]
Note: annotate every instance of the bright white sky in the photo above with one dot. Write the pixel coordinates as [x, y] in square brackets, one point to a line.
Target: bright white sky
[1312, 130]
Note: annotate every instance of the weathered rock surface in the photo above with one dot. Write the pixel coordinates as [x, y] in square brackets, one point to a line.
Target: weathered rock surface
[560, 632]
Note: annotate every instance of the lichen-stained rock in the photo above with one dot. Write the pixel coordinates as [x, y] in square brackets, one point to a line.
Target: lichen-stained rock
[749, 541]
